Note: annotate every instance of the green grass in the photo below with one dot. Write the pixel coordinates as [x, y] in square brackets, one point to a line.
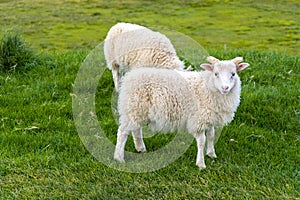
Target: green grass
[42, 156]
[15, 55]
[56, 26]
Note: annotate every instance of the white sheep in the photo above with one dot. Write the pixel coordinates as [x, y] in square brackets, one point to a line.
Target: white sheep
[170, 100]
[128, 46]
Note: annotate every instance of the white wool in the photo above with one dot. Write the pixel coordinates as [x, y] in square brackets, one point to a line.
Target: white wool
[170, 100]
[146, 96]
[130, 46]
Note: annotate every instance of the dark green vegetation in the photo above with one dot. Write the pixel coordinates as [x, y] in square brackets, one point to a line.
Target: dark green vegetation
[15, 55]
[42, 157]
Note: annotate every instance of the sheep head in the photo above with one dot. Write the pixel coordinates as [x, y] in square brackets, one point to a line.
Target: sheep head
[224, 73]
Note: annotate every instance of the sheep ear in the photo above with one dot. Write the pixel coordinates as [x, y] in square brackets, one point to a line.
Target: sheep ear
[212, 59]
[207, 66]
[242, 66]
[237, 60]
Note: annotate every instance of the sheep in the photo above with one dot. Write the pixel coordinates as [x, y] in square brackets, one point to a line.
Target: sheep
[128, 46]
[170, 100]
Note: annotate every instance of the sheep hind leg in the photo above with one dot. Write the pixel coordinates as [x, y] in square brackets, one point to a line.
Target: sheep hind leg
[200, 139]
[138, 140]
[210, 135]
[120, 146]
[116, 76]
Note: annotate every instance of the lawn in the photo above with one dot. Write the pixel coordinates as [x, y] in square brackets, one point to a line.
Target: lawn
[43, 157]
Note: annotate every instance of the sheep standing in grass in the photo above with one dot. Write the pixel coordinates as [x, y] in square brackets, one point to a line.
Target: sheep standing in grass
[170, 100]
[129, 46]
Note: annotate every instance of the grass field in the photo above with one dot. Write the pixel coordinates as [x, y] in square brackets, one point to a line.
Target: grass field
[76, 24]
[42, 156]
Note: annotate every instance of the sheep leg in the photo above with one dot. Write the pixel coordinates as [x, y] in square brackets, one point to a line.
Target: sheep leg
[115, 74]
[200, 139]
[210, 135]
[120, 146]
[138, 140]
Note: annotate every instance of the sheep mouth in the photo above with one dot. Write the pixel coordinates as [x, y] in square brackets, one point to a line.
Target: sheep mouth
[224, 92]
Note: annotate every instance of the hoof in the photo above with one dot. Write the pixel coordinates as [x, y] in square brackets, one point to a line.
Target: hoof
[201, 165]
[141, 149]
[212, 154]
[119, 159]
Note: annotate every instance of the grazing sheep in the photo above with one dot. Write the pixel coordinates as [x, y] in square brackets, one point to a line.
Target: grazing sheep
[169, 100]
[128, 46]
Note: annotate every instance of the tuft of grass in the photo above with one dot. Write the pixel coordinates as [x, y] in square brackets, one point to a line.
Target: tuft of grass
[15, 54]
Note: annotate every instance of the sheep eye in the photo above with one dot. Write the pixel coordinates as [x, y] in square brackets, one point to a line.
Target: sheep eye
[233, 74]
[216, 74]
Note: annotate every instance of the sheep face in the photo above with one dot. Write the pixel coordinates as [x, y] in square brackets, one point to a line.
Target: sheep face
[224, 73]
[224, 76]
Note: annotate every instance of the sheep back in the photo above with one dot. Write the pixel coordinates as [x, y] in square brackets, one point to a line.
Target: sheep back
[130, 45]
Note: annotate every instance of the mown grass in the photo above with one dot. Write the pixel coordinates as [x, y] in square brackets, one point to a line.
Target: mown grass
[42, 156]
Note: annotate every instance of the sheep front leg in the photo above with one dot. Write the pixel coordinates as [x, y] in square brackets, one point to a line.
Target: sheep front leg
[120, 146]
[200, 139]
[210, 135]
[138, 140]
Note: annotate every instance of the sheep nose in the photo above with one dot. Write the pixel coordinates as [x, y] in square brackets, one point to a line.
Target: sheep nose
[225, 88]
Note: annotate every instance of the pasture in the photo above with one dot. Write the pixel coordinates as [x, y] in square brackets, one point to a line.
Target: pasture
[42, 156]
